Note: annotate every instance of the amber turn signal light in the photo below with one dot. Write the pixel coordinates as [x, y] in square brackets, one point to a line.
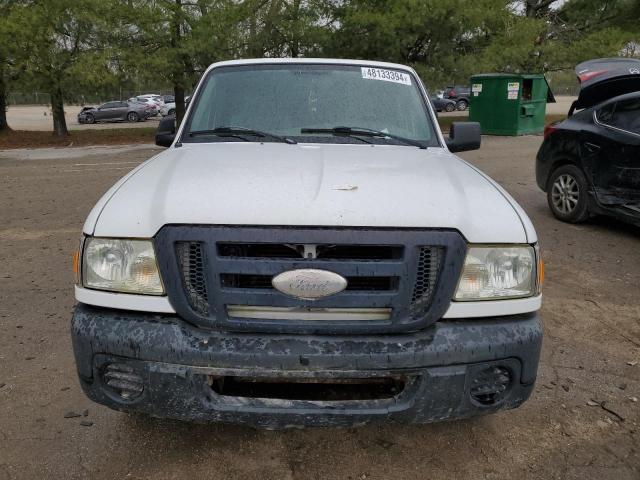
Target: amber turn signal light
[76, 265]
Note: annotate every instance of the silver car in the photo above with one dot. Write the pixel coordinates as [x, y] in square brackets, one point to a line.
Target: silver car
[115, 112]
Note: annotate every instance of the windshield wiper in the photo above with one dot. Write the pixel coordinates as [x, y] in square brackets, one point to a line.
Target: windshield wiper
[239, 131]
[362, 132]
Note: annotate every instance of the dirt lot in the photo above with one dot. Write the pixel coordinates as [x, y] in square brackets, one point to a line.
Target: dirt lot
[591, 353]
[561, 107]
[38, 117]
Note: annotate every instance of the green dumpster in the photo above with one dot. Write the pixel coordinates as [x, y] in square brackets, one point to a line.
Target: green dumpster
[509, 104]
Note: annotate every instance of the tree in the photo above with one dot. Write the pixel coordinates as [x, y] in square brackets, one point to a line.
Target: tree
[176, 40]
[5, 64]
[547, 36]
[539, 8]
[278, 28]
[449, 41]
[4, 126]
[68, 47]
[165, 39]
[50, 40]
[440, 39]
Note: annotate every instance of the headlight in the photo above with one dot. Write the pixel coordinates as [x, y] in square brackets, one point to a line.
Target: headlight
[127, 266]
[493, 273]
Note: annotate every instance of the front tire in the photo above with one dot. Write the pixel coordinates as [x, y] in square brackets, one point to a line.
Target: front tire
[88, 118]
[449, 107]
[567, 194]
[133, 117]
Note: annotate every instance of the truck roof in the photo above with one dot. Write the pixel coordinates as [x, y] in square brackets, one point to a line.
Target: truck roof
[326, 61]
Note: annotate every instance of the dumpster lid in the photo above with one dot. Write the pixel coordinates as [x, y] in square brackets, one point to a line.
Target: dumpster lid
[550, 96]
[605, 78]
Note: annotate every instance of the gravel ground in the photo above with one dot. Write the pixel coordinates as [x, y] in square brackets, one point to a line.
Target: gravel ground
[590, 355]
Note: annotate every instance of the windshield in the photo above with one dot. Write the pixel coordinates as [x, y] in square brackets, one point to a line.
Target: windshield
[286, 99]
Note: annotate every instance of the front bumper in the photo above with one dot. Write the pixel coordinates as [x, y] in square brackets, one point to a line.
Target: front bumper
[176, 363]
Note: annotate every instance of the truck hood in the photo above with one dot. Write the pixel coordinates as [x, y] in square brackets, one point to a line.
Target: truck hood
[240, 183]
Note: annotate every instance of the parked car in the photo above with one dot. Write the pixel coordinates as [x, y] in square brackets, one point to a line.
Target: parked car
[159, 99]
[169, 98]
[115, 111]
[446, 104]
[316, 256]
[590, 163]
[460, 94]
[170, 108]
[149, 102]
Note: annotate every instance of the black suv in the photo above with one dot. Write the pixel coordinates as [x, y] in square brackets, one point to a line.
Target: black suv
[460, 94]
[590, 163]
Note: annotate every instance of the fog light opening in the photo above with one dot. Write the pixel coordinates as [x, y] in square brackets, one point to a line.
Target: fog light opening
[122, 380]
[491, 385]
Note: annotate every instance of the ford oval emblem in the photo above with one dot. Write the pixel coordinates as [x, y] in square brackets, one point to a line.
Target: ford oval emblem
[308, 283]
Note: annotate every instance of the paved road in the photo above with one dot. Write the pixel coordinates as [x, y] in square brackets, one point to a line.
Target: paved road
[592, 341]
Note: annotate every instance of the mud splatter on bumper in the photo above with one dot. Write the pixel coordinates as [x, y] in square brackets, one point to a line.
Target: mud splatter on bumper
[174, 363]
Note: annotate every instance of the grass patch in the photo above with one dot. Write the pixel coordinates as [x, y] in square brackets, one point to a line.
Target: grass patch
[77, 138]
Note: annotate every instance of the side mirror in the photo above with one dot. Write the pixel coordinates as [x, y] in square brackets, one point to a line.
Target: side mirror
[464, 136]
[166, 133]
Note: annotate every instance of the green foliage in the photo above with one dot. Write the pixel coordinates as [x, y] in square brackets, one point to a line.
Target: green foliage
[55, 45]
[437, 38]
[67, 47]
[49, 39]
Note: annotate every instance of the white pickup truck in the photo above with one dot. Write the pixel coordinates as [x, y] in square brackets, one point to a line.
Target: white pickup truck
[308, 251]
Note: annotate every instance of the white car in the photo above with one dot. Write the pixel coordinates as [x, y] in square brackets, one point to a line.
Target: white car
[315, 256]
[159, 99]
[168, 109]
[148, 101]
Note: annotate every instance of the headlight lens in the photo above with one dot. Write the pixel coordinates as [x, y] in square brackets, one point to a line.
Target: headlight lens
[127, 266]
[493, 273]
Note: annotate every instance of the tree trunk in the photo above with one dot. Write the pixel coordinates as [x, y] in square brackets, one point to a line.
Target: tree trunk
[176, 37]
[57, 109]
[178, 92]
[4, 126]
[294, 46]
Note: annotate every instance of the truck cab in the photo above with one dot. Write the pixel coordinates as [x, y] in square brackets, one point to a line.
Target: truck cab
[308, 251]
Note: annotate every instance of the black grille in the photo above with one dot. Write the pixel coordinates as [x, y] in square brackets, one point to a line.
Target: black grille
[429, 260]
[411, 274]
[328, 252]
[191, 262]
[358, 284]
